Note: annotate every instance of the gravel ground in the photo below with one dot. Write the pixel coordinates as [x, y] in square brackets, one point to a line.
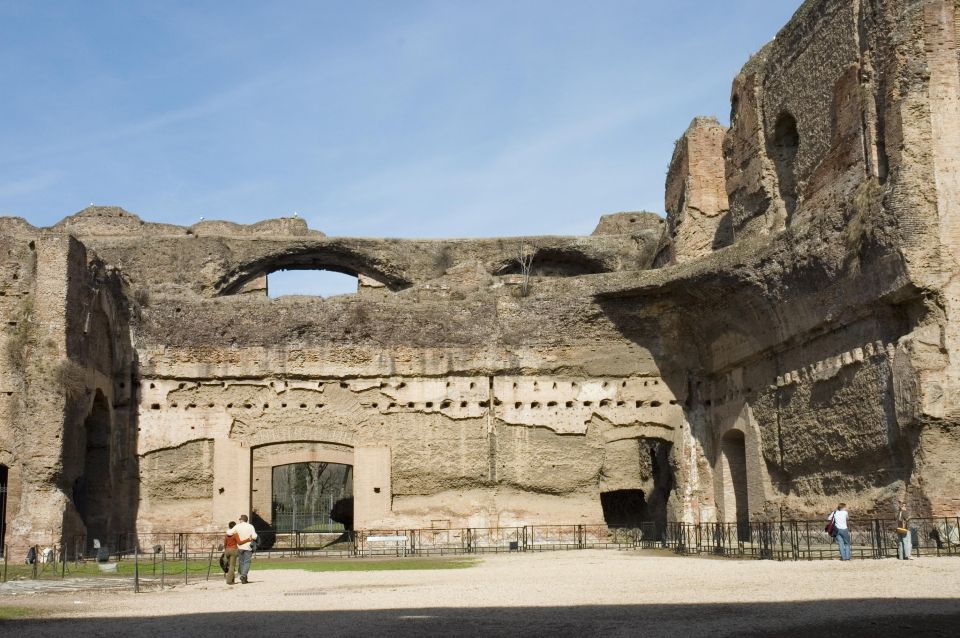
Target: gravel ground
[610, 593]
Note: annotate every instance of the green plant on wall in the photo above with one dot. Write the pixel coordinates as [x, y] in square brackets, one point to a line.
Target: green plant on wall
[21, 337]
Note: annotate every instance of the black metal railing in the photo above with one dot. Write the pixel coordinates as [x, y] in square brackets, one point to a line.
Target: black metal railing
[772, 540]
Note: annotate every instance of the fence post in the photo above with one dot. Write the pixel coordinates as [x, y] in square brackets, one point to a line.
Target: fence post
[210, 564]
[875, 544]
[186, 567]
[163, 566]
[136, 570]
[63, 560]
[6, 557]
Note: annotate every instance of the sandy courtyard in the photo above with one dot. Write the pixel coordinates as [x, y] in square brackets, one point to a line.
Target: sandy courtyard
[606, 593]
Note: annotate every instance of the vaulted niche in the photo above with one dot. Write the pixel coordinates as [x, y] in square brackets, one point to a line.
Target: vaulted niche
[554, 262]
[784, 145]
[318, 283]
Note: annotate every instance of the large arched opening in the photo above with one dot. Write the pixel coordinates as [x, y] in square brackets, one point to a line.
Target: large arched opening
[315, 283]
[92, 491]
[367, 270]
[733, 460]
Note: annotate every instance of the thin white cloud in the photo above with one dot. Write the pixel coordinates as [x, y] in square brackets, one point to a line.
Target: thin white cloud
[207, 106]
[29, 185]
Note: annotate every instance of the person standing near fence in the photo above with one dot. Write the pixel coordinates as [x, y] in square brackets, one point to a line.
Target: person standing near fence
[839, 518]
[231, 543]
[904, 542]
[246, 534]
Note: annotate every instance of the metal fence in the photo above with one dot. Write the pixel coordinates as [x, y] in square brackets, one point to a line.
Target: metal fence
[156, 559]
[138, 570]
[808, 540]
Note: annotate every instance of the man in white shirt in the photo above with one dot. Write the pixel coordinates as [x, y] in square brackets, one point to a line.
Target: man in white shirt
[245, 534]
[839, 518]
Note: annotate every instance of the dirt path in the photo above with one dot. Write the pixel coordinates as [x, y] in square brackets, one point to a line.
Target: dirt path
[570, 593]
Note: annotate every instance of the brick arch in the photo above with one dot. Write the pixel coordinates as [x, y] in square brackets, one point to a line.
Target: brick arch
[342, 456]
[335, 257]
[300, 434]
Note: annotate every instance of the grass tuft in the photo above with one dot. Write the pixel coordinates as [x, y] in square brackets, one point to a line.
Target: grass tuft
[13, 613]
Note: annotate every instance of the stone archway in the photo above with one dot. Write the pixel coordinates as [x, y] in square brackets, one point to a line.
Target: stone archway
[332, 257]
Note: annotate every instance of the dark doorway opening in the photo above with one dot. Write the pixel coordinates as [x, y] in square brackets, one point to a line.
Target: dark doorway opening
[4, 473]
[310, 497]
[92, 493]
[624, 508]
[736, 508]
[644, 507]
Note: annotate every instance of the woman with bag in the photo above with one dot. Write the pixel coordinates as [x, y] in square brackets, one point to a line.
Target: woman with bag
[838, 522]
[230, 543]
[904, 542]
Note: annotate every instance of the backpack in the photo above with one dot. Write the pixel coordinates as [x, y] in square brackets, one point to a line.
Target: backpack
[831, 527]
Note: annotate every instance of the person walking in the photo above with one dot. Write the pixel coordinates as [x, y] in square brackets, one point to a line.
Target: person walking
[245, 535]
[839, 518]
[231, 551]
[904, 542]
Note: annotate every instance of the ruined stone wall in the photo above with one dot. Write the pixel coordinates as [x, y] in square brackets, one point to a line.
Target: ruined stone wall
[494, 409]
[62, 341]
[829, 343]
[764, 356]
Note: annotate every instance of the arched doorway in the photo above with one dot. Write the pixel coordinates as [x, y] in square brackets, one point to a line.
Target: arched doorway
[4, 474]
[92, 491]
[733, 458]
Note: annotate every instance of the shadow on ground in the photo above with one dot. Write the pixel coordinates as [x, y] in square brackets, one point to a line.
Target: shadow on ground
[846, 618]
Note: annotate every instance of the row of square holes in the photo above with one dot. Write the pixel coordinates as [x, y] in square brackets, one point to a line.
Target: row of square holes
[443, 405]
[473, 384]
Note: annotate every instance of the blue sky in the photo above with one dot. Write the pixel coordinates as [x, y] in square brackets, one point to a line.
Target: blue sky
[368, 118]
